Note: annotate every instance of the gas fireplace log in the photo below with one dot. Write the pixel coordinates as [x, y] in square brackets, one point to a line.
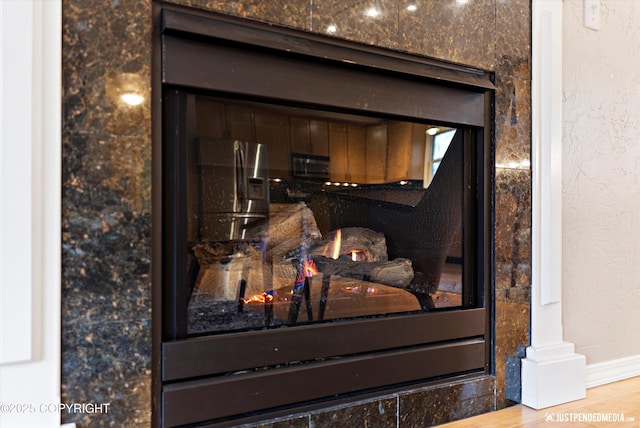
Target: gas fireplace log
[396, 273]
[219, 276]
[289, 224]
[369, 245]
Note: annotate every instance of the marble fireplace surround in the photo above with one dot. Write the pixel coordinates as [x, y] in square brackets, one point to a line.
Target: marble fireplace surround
[106, 244]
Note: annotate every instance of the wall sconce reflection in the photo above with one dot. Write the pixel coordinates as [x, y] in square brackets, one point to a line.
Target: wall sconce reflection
[372, 12]
[132, 99]
[126, 89]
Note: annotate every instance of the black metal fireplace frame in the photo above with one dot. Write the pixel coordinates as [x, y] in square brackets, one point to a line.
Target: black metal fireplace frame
[343, 359]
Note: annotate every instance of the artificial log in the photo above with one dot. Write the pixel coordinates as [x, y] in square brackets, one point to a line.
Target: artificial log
[220, 275]
[396, 273]
[285, 273]
[369, 244]
[290, 226]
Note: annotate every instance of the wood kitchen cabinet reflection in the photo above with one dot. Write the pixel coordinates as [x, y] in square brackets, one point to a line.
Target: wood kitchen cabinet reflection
[362, 151]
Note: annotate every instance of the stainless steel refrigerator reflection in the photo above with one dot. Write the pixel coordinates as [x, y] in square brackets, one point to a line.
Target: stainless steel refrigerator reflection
[234, 188]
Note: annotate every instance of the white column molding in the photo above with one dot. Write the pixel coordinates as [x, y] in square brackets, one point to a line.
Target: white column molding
[30, 208]
[19, 282]
[552, 373]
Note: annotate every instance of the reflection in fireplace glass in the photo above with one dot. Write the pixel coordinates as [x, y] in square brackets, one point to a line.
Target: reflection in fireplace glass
[299, 215]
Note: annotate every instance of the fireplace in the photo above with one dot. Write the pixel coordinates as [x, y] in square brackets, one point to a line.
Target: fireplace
[325, 220]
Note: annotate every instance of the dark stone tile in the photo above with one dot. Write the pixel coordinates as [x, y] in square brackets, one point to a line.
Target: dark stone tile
[428, 408]
[513, 122]
[106, 249]
[289, 13]
[513, 184]
[110, 371]
[374, 414]
[461, 32]
[513, 82]
[101, 38]
[474, 407]
[513, 231]
[352, 21]
[446, 403]
[294, 422]
[476, 388]
[513, 38]
[513, 380]
[512, 330]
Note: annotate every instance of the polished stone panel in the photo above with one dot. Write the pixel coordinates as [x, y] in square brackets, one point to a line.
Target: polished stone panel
[513, 77]
[362, 21]
[289, 13]
[373, 414]
[441, 404]
[106, 249]
[512, 38]
[293, 422]
[513, 122]
[452, 30]
[512, 330]
[513, 234]
[418, 407]
[512, 269]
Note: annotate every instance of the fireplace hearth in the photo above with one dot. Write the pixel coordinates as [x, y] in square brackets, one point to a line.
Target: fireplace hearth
[325, 212]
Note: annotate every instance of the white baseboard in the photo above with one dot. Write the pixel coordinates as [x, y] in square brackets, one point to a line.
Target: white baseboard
[613, 371]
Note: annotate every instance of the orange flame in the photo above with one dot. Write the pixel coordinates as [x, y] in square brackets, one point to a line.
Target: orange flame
[337, 243]
[260, 298]
[310, 268]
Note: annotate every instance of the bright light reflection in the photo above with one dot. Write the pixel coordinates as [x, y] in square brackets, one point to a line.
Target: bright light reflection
[525, 164]
[332, 29]
[433, 131]
[132, 99]
[372, 12]
[412, 8]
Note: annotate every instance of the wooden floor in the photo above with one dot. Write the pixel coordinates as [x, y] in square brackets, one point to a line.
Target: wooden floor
[620, 402]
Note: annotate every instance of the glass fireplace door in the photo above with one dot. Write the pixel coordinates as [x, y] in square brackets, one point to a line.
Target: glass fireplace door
[296, 215]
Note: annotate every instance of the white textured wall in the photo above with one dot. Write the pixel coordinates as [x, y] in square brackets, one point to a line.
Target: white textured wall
[601, 181]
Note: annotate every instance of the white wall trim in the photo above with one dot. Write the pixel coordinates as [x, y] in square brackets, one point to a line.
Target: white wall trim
[19, 146]
[30, 153]
[552, 373]
[613, 371]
